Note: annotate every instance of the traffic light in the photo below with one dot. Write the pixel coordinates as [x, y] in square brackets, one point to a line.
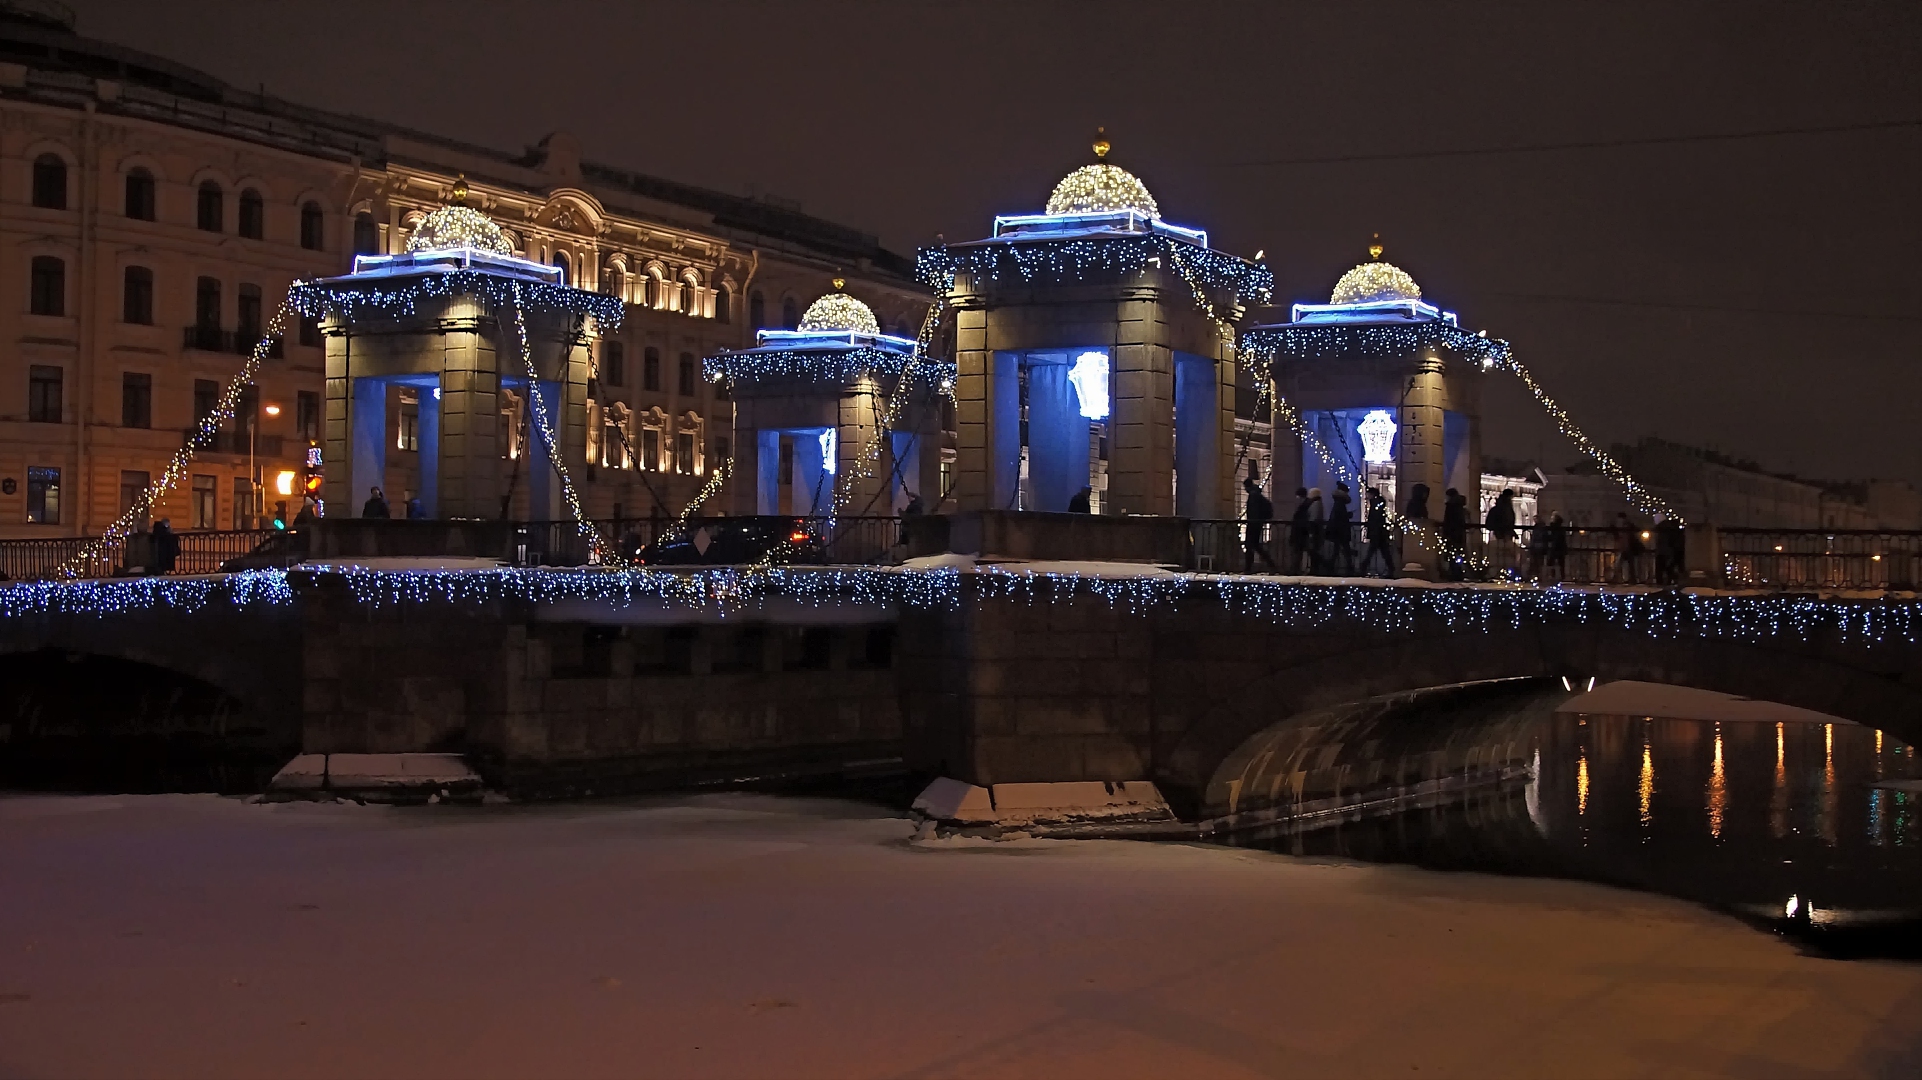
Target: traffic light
[311, 486]
[280, 514]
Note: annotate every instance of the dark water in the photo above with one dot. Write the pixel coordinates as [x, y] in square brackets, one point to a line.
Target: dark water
[1781, 824]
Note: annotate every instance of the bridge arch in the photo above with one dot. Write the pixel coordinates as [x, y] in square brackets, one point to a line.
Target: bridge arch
[1375, 707]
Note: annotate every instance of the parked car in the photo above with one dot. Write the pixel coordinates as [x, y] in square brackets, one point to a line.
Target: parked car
[277, 552]
[735, 542]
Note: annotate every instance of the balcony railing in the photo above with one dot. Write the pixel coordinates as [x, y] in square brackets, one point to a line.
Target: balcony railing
[234, 342]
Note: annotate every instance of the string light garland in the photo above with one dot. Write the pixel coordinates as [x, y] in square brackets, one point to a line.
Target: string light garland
[1094, 189]
[1262, 347]
[1387, 608]
[351, 299]
[1079, 259]
[1373, 281]
[114, 536]
[839, 311]
[457, 227]
[582, 523]
[844, 365]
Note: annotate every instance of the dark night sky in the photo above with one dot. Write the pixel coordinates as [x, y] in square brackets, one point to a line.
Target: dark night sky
[1760, 296]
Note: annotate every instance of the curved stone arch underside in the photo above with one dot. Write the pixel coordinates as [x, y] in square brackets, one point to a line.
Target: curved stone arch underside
[1214, 727]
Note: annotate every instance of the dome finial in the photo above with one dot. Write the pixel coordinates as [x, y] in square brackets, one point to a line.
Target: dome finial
[1101, 145]
[1374, 247]
[840, 283]
[460, 190]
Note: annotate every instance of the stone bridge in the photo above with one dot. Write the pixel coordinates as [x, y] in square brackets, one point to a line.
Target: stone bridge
[1232, 695]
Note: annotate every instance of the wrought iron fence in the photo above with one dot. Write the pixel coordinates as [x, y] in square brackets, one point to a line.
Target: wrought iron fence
[1833, 559]
[1579, 555]
[198, 552]
[742, 539]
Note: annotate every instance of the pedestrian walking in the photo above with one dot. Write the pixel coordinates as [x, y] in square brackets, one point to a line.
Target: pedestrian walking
[1557, 545]
[1454, 534]
[1083, 502]
[376, 505]
[166, 548]
[1671, 551]
[1317, 531]
[1259, 513]
[1500, 526]
[416, 510]
[1628, 552]
[1380, 542]
[1298, 534]
[1341, 536]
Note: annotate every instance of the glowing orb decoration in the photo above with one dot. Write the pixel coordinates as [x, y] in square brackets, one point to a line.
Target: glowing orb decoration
[839, 311]
[1375, 281]
[1098, 189]
[458, 227]
[1377, 431]
[828, 463]
[1089, 376]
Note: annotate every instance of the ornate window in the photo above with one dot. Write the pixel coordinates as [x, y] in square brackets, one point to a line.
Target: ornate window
[140, 195]
[253, 215]
[313, 223]
[136, 296]
[366, 234]
[210, 208]
[47, 292]
[50, 182]
[723, 304]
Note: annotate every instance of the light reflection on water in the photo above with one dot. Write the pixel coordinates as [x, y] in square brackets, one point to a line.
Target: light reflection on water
[1740, 815]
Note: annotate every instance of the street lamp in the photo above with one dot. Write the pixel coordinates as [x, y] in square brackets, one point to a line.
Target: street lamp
[253, 465]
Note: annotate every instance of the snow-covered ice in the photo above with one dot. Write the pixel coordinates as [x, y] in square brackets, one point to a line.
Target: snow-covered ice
[750, 936]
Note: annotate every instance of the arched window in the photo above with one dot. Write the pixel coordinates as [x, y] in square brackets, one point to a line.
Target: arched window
[136, 296]
[140, 195]
[651, 369]
[724, 304]
[207, 304]
[756, 310]
[656, 288]
[253, 215]
[50, 182]
[312, 225]
[687, 380]
[48, 292]
[210, 213]
[366, 234]
[560, 260]
[790, 314]
[613, 281]
[691, 294]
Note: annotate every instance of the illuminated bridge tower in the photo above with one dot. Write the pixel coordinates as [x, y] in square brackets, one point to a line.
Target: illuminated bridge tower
[810, 404]
[1388, 384]
[1095, 348]
[439, 323]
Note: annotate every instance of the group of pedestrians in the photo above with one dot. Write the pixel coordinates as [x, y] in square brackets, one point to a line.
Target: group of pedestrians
[1321, 538]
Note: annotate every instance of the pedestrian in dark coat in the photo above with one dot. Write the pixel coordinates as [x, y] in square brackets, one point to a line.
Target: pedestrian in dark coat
[1260, 512]
[1300, 534]
[1341, 534]
[1500, 525]
[1380, 542]
[166, 548]
[1454, 534]
[376, 505]
[1083, 502]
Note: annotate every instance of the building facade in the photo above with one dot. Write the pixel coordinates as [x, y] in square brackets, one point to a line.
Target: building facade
[152, 218]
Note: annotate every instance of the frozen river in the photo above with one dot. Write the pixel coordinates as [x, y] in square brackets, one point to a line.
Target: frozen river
[754, 936]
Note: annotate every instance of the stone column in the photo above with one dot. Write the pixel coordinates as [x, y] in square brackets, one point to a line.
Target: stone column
[429, 441]
[859, 424]
[471, 468]
[974, 480]
[1141, 451]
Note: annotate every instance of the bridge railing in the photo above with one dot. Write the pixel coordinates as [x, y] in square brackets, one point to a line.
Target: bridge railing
[1833, 558]
[806, 540]
[1583, 555]
[199, 551]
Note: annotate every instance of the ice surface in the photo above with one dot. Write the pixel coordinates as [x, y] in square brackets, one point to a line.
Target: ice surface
[748, 936]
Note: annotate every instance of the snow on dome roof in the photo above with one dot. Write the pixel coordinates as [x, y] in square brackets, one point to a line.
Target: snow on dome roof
[839, 311]
[1373, 281]
[458, 226]
[1095, 189]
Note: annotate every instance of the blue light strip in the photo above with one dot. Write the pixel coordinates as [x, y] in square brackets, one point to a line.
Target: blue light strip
[1033, 260]
[445, 260]
[1382, 608]
[359, 296]
[1376, 311]
[1038, 226]
[815, 339]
